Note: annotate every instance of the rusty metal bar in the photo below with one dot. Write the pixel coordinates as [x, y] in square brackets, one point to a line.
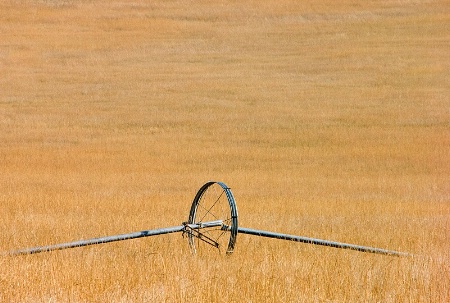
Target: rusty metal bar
[135, 235]
[268, 234]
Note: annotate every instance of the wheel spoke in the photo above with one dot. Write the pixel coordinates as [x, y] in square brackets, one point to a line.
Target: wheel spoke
[208, 211]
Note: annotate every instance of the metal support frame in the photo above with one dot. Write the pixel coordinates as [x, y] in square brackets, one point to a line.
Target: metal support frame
[194, 229]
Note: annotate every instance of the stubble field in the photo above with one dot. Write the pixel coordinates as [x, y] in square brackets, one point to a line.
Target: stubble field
[327, 120]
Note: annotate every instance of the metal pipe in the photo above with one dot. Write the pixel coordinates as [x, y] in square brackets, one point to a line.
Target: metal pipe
[269, 234]
[135, 235]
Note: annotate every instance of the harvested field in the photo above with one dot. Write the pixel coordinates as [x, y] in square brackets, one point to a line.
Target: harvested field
[327, 120]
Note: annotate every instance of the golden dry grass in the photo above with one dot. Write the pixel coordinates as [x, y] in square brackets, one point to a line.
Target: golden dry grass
[328, 120]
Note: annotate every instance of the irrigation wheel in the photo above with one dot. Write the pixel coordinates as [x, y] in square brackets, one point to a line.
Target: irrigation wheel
[214, 201]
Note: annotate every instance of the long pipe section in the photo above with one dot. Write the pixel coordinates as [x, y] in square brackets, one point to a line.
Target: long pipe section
[135, 235]
[270, 234]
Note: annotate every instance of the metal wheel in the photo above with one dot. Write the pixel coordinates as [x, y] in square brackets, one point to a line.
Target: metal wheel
[214, 201]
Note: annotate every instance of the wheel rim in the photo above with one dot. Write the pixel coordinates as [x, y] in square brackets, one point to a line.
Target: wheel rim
[214, 201]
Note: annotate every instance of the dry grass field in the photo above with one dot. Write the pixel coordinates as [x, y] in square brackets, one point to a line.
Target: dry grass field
[328, 119]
